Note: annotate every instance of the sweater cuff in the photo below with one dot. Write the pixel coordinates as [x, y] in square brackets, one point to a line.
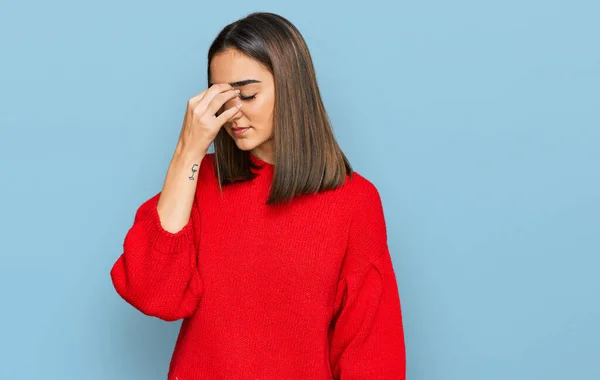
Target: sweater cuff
[163, 240]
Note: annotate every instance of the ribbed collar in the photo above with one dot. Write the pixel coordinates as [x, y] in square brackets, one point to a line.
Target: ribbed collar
[267, 167]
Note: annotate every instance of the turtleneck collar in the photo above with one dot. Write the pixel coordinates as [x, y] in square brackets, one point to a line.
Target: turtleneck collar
[265, 165]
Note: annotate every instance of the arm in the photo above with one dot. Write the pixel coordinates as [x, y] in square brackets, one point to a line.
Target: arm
[157, 271]
[366, 334]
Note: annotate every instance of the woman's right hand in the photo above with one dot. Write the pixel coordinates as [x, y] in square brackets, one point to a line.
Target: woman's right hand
[201, 124]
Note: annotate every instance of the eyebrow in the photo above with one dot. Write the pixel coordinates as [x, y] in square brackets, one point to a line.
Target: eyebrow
[240, 83]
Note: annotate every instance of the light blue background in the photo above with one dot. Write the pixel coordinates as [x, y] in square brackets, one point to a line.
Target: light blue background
[478, 121]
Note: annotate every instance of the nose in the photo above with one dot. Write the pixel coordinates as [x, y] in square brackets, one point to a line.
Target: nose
[231, 103]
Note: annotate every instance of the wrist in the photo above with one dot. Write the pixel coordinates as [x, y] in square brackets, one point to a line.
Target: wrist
[188, 158]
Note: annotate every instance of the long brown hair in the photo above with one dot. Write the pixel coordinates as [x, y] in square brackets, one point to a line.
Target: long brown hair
[307, 156]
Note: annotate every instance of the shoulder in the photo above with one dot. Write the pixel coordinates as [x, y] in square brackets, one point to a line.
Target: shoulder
[208, 160]
[367, 217]
[367, 231]
[359, 195]
[363, 191]
[207, 166]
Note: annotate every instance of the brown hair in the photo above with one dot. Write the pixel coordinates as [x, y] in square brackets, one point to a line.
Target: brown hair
[307, 156]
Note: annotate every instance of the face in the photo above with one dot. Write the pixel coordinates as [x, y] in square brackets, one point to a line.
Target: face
[257, 95]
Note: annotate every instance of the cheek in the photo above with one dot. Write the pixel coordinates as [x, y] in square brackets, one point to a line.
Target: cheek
[265, 107]
[259, 111]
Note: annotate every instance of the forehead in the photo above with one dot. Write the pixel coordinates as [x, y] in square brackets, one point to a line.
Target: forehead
[232, 65]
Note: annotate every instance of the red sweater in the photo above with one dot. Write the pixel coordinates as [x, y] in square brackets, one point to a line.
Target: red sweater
[305, 291]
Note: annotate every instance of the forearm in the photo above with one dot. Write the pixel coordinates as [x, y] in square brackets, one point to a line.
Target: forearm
[177, 195]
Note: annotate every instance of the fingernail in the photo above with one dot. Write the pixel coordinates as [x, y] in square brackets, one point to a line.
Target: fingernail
[238, 91]
[239, 105]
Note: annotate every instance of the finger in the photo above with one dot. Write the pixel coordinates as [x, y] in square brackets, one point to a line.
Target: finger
[199, 96]
[196, 98]
[218, 101]
[213, 91]
[228, 114]
[193, 101]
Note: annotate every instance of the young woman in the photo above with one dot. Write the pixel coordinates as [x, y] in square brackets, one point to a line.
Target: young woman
[272, 250]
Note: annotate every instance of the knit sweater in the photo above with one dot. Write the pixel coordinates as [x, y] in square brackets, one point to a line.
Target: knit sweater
[303, 290]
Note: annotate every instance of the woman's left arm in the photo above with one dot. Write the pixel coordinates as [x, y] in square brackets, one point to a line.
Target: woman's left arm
[366, 333]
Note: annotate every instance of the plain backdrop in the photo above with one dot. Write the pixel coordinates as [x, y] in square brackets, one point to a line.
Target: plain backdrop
[478, 121]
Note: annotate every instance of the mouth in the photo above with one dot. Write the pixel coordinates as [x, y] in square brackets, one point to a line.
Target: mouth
[238, 131]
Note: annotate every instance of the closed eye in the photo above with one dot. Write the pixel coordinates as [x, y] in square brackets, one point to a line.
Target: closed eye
[247, 97]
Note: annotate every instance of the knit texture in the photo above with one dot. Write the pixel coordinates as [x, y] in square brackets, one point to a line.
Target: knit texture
[302, 290]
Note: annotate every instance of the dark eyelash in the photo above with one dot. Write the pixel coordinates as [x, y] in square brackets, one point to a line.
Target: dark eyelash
[247, 97]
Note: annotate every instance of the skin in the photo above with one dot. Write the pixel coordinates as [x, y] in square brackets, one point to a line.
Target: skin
[232, 66]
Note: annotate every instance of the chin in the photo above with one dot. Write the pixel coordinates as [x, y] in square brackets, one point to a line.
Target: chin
[249, 142]
[244, 144]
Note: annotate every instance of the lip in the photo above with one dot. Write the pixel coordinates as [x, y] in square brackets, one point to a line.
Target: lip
[237, 131]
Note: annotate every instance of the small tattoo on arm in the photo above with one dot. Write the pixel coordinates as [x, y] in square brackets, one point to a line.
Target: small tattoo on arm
[193, 171]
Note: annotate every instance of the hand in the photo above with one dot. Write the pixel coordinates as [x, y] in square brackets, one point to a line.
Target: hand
[201, 124]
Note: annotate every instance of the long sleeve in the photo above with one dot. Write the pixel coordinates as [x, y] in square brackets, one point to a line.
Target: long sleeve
[157, 271]
[366, 334]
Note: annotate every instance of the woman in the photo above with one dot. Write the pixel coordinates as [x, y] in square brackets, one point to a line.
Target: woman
[272, 250]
